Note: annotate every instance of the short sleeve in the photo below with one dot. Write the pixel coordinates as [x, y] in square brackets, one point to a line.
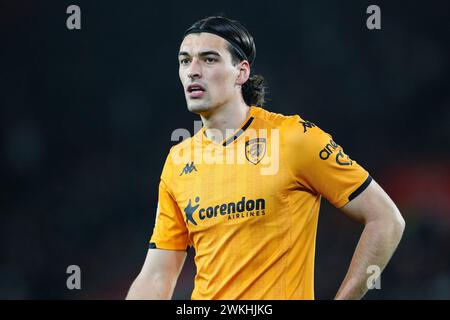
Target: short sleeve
[170, 231]
[319, 164]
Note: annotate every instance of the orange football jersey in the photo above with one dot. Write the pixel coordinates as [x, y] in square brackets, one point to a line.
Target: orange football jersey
[249, 206]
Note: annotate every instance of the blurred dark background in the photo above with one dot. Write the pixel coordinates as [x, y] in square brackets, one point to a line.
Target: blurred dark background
[86, 119]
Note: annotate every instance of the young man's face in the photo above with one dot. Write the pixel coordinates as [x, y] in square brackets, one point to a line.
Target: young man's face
[206, 71]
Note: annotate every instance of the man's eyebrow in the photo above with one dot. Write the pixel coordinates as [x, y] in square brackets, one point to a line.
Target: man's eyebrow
[202, 54]
[207, 53]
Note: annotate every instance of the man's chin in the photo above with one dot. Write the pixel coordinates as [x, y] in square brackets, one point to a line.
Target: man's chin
[198, 106]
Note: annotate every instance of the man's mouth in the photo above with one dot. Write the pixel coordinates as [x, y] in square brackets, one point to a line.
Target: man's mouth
[195, 91]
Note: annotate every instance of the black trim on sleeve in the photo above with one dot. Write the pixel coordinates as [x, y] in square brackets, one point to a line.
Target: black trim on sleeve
[152, 245]
[360, 189]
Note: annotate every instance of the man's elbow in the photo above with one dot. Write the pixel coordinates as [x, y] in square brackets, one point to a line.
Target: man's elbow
[401, 224]
[397, 224]
[391, 224]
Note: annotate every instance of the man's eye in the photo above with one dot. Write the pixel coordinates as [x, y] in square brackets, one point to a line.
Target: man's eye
[210, 60]
[184, 61]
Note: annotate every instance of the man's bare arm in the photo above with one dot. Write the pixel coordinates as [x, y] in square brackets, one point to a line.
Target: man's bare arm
[158, 276]
[382, 232]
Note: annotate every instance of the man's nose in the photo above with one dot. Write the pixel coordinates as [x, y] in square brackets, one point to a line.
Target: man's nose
[195, 69]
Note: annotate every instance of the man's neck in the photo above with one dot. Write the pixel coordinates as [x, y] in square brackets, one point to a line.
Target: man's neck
[225, 119]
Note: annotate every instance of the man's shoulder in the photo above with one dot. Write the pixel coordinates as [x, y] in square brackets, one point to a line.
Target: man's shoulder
[296, 133]
[270, 118]
[184, 143]
[282, 121]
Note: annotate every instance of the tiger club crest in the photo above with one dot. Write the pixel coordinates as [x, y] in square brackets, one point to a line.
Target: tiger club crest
[255, 150]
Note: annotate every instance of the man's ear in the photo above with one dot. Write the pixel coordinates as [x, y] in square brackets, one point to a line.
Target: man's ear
[244, 72]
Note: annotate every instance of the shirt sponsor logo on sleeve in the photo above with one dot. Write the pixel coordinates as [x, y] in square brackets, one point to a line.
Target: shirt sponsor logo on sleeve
[341, 158]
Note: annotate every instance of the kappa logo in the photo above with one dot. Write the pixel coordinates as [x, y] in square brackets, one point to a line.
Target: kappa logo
[341, 158]
[255, 150]
[307, 125]
[188, 168]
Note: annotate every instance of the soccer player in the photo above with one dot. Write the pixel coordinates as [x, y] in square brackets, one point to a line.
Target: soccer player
[247, 200]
